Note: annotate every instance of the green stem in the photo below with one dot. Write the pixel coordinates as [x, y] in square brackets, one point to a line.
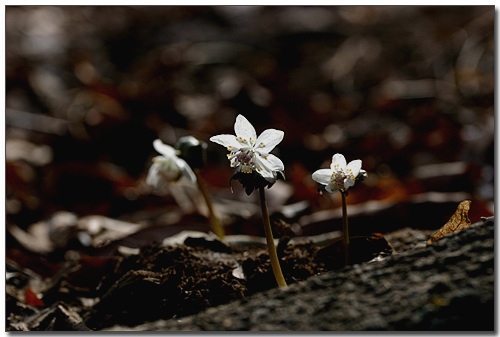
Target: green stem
[270, 241]
[345, 228]
[214, 220]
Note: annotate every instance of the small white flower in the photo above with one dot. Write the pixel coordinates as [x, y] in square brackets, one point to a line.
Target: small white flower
[340, 176]
[168, 167]
[248, 153]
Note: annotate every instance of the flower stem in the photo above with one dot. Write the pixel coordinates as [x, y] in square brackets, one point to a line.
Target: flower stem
[345, 228]
[270, 241]
[214, 220]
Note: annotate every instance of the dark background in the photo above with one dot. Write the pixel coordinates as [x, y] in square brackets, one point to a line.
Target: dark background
[408, 90]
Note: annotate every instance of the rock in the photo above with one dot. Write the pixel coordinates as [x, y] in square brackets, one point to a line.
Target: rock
[440, 287]
[408, 238]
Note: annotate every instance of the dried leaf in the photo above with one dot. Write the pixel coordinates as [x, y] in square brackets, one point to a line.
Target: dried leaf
[32, 299]
[458, 221]
[35, 239]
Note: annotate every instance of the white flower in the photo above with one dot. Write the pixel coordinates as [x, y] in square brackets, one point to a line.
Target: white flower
[249, 153]
[340, 176]
[167, 167]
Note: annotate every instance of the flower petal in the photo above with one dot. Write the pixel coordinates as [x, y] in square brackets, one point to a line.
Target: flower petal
[338, 162]
[164, 149]
[262, 163]
[276, 163]
[268, 139]
[348, 182]
[322, 176]
[244, 129]
[229, 141]
[268, 175]
[164, 169]
[354, 167]
[264, 167]
[185, 170]
[153, 178]
[269, 162]
[331, 188]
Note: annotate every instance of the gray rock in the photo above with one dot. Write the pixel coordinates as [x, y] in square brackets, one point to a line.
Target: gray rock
[447, 286]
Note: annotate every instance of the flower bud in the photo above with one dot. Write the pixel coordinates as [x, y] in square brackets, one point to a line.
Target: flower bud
[193, 151]
[362, 175]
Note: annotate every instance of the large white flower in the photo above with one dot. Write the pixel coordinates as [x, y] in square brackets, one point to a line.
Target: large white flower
[168, 167]
[248, 153]
[340, 176]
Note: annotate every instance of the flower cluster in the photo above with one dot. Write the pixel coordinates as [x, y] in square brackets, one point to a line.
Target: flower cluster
[255, 166]
[168, 167]
[340, 176]
[249, 153]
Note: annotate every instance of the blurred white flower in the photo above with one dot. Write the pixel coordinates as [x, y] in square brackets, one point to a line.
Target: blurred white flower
[168, 167]
[249, 153]
[340, 176]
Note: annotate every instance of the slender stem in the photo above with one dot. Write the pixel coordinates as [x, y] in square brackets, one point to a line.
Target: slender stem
[345, 229]
[214, 220]
[275, 264]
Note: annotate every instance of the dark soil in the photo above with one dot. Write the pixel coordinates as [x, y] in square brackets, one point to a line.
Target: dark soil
[446, 286]
[164, 281]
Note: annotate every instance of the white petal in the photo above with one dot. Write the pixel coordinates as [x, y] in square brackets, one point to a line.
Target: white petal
[270, 162]
[322, 176]
[244, 129]
[264, 167]
[268, 139]
[164, 149]
[348, 183]
[186, 170]
[229, 141]
[354, 166]
[153, 178]
[331, 188]
[338, 162]
[268, 175]
[166, 168]
[261, 162]
[276, 163]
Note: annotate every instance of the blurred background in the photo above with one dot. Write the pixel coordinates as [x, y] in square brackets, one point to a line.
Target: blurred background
[408, 90]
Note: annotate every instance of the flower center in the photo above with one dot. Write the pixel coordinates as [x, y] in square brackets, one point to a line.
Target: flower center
[246, 160]
[338, 178]
[246, 156]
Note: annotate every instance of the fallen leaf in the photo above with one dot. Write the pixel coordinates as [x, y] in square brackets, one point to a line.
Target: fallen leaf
[458, 221]
[32, 299]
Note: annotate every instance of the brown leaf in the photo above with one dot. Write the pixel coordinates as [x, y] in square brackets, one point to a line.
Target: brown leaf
[458, 221]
